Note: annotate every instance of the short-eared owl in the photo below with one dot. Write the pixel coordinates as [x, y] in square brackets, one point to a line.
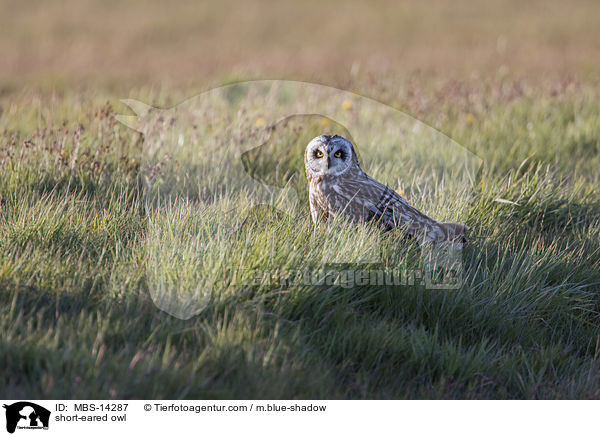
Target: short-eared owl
[337, 185]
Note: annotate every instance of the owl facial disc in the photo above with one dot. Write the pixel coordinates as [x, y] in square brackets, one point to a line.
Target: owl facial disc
[329, 155]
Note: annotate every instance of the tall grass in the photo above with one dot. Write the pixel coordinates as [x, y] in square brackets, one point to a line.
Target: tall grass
[82, 255]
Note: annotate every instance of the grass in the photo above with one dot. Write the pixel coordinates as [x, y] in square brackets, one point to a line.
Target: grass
[84, 261]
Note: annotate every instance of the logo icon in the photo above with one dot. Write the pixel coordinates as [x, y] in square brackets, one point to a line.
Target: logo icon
[26, 415]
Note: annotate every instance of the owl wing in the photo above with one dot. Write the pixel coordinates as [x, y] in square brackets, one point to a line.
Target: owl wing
[391, 210]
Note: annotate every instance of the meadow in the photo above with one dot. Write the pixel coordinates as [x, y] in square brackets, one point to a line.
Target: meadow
[82, 254]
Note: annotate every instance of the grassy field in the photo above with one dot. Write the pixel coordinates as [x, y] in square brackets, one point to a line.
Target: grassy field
[82, 255]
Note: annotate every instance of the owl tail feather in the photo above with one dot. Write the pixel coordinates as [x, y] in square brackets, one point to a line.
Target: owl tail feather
[455, 232]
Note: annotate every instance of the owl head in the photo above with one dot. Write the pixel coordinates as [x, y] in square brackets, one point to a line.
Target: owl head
[329, 155]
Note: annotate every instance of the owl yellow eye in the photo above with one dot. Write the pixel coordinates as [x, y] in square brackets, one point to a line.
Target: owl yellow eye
[338, 153]
[319, 154]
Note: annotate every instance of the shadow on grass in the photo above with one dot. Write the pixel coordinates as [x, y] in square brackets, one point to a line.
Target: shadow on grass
[66, 346]
[523, 326]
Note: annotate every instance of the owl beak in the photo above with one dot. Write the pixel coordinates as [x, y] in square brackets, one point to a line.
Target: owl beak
[329, 151]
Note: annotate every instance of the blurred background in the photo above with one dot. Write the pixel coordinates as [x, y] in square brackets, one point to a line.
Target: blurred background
[119, 44]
